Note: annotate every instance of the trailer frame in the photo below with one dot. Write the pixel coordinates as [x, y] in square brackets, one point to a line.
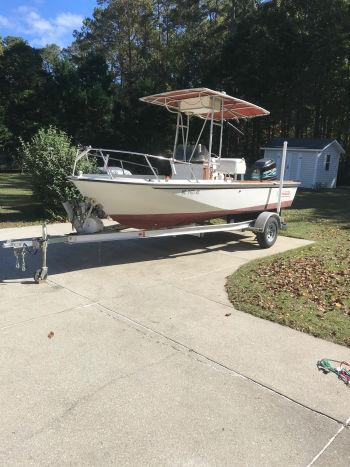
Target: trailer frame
[41, 244]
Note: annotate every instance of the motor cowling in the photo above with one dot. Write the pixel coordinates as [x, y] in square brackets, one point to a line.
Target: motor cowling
[264, 169]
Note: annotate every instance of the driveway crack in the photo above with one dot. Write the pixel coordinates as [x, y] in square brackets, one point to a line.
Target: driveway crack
[330, 441]
[212, 361]
[133, 323]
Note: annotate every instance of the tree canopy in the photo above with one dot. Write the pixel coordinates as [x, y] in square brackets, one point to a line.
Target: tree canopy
[289, 56]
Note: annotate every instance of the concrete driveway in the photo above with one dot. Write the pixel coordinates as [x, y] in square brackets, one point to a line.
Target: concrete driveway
[126, 356]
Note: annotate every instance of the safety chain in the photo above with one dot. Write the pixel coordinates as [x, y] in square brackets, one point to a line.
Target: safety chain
[20, 255]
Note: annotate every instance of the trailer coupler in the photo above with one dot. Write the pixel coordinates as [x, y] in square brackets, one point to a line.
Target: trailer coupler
[33, 246]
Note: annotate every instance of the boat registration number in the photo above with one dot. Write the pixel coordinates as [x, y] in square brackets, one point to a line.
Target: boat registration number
[188, 192]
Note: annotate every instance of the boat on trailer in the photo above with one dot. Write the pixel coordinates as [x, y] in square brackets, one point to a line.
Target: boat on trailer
[156, 196]
[198, 185]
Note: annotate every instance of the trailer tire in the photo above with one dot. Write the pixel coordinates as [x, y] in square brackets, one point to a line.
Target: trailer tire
[268, 237]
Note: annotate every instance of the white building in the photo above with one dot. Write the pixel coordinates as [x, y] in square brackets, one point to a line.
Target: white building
[313, 162]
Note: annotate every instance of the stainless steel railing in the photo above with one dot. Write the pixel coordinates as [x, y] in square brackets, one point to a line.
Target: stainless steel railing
[104, 154]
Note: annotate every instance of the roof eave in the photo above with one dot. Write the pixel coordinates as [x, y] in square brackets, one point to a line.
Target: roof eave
[339, 146]
[292, 149]
[300, 148]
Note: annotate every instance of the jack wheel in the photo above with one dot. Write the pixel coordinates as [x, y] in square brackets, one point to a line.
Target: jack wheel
[40, 275]
[268, 237]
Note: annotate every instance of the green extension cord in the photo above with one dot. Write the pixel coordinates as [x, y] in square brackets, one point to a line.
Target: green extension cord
[343, 371]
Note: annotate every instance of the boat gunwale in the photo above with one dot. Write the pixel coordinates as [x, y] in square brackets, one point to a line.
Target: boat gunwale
[162, 184]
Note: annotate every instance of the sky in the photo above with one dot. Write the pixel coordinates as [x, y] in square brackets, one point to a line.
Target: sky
[43, 22]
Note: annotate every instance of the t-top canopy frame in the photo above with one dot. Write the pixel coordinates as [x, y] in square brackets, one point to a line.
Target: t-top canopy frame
[213, 106]
[199, 102]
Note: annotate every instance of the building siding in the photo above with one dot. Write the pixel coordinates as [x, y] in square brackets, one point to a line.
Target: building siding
[308, 167]
[304, 173]
[328, 178]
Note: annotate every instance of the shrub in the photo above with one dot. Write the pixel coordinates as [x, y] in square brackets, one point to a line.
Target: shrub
[49, 159]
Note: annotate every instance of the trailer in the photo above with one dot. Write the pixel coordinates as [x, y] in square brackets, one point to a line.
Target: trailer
[266, 227]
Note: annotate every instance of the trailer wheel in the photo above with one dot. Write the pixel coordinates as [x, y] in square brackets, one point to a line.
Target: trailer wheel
[268, 237]
[40, 275]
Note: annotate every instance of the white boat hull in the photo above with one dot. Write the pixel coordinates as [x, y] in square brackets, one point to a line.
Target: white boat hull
[154, 204]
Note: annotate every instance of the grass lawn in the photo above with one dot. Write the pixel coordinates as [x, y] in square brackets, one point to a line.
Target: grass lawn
[17, 204]
[307, 289]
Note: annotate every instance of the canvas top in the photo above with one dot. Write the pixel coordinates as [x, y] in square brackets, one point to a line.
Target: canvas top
[203, 102]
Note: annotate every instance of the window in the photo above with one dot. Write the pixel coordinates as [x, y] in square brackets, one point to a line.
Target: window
[328, 162]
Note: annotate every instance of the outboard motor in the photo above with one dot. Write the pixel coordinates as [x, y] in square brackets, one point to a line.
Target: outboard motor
[264, 169]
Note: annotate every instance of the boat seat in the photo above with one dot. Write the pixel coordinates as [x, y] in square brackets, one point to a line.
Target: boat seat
[200, 155]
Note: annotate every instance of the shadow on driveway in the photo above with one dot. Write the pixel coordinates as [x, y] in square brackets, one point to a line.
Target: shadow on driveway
[66, 258]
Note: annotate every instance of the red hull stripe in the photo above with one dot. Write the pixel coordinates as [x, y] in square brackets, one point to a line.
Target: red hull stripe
[151, 221]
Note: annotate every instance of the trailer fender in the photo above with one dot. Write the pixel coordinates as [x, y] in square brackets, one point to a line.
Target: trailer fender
[263, 217]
